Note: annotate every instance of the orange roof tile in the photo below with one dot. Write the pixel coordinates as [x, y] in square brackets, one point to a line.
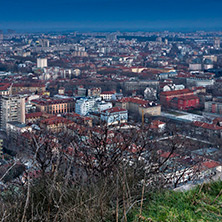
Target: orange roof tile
[176, 92]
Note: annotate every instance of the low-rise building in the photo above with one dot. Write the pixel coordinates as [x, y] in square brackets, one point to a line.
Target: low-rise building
[33, 117]
[169, 74]
[166, 97]
[208, 130]
[81, 91]
[114, 115]
[84, 105]
[54, 106]
[200, 81]
[107, 95]
[28, 87]
[83, 120]
[157, 125]
[61, 91]
[195, 65]
[171, 87]
[213, 107]
[94, 91]
[55, 123]
[5, 89]
[15, 128]
[104, 105]
[185, 102]
[139, 106]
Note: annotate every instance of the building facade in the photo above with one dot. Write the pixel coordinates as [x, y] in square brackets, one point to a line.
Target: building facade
[114, 115]
[12, 109]
[55, 124]
[166, 97]
[213, 107]
[41, 63]
[28, 87]
[94, 91]
[108, 95]
[139, 106]
[84, 105]
[200, 82]
[54, 106]
[185, 102]
[5, 89]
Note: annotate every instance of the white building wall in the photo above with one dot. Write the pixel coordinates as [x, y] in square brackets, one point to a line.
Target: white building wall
[106, 96]
[115, 118]
[84, 106]
[104, 106]
[41, 63]
[13, 109]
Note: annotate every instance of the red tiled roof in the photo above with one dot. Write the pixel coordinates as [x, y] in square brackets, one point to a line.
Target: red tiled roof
[33, 115]
[199, 87]
[75, 115]
[114, 110]
[155, 124]
[133, 100]
[56, 120]
[4, 86]
[207, 125]
[210, 164]
[52, 101]
[107, 92]
[176, 92]
[28, 85]
[140, 102]
[168, 154]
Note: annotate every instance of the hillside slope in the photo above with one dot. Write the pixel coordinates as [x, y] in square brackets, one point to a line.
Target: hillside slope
[204, 203]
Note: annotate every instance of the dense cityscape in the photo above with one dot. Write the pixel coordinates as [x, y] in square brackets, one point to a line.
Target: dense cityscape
[154, 97]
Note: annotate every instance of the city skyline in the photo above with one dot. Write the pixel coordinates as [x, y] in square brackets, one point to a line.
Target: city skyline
[105, 15]
[110, 107]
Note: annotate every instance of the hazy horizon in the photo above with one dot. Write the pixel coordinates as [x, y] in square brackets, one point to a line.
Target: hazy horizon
[111, 15]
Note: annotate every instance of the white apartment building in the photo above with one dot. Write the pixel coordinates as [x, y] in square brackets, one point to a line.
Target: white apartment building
[84, 105]
[107, 95]
[114, 115]
[103, 106]
[200, 82]
[12, 109]
[41, 63]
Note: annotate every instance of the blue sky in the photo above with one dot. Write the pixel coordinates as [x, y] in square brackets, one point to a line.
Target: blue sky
[107, 15]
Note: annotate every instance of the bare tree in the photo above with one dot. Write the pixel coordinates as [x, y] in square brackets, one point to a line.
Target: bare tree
[89, 174]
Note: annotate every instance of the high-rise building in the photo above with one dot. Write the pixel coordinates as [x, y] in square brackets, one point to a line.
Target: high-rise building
[12, 109]
[41, 62]
[217, 43]
[45, 43]
[1, 35]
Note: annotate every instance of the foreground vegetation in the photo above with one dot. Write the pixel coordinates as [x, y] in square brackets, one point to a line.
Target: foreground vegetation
[101, 176]
[204, 203]
[96, 203]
